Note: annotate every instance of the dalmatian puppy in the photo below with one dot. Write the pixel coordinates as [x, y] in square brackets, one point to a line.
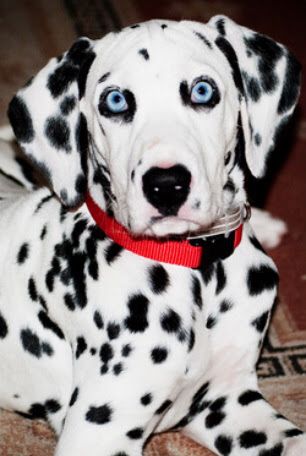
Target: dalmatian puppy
[122, 316]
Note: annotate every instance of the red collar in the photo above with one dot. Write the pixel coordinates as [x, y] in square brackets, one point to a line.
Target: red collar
[185, 252]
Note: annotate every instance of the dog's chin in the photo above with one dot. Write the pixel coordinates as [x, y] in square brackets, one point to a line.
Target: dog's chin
[172, 226]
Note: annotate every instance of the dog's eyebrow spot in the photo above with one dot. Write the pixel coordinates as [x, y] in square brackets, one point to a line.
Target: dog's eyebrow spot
[144, 53]
[104, 77]
[204, 39]
[163, 26]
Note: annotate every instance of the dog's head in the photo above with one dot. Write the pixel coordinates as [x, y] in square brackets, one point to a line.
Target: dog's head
[158, 120]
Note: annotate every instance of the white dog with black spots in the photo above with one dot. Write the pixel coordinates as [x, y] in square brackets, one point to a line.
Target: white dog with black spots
[154, 126]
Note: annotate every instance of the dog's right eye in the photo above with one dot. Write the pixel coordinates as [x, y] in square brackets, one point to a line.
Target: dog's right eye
[116, 102]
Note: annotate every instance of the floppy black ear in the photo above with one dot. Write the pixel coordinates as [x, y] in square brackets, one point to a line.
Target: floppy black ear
[268, 77]
[47, 122]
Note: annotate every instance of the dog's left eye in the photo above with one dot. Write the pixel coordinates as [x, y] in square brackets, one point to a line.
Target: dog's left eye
[116, 102]
[202, 92]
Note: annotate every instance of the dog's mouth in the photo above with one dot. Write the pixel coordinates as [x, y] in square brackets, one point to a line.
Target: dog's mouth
[173, 226]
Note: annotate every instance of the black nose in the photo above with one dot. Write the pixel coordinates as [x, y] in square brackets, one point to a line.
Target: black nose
[167, 188]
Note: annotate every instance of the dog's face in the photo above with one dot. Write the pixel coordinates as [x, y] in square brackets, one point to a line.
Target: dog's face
[164, 114]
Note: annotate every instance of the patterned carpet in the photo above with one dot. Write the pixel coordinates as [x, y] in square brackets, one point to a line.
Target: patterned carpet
[31, 31]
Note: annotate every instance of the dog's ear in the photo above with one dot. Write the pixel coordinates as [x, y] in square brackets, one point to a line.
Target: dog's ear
[48, 124]
[267, 76]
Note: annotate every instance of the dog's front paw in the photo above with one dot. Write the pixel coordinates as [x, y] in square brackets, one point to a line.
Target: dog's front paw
[268, 229]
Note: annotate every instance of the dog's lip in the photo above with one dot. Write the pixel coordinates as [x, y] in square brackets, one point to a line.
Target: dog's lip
[165, 226]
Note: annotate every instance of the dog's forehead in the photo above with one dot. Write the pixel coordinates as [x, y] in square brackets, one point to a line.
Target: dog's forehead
[163, 45]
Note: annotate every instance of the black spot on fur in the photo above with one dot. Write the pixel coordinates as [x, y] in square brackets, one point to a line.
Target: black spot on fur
[69, 301]
[211, 321]
[21, 120]
[112, 252]
[58, 133]
[135, 26]
[170, 321]
[158, 278]
[257, 139]
[254, 241]
[207, 272]
[224, 444]
[293, 432]
[23, 253]
[196, 292]
[3, 327]
[225, 305]
[104, 77]
[214, 419]
[98, 320]
[74, 397]
[220, 26]
[277, 450]
[43, 233]
[117, 368]
[138, 306]
[31, 344]
[249, 396]
[191, 340]
[164, 26]
[42, 202]
[260, 322]
[250, 439]
[159, 355]
[99, 415]
[126, 350]
[204, 39]
[218, 404]
[164, 406]
[68, 104]
[146, 399]
[144, 54]
[106, 352]
[81, 347]
[32, 289]
[261, 278]
[113, 330]
[49, 324]
[135, 433]
[252, 87]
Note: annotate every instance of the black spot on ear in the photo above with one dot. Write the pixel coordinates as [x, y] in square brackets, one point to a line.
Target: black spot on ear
[21, 120]
[3, 328]
[99, 415]
[252, 87]
[291, 86]
[261, 278]
[221, 26]
[269, 52]
[67, 105]
[231, 56]
[79, 51]
[62, 77]
[84, 70]
[144, 54]
[58, 133]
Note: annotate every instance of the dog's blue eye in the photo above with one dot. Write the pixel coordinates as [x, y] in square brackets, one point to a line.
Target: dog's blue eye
[116, 102]
[202, 92]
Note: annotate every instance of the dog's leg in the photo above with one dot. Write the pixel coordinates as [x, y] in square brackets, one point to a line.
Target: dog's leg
[236, 420]
[228, 414]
